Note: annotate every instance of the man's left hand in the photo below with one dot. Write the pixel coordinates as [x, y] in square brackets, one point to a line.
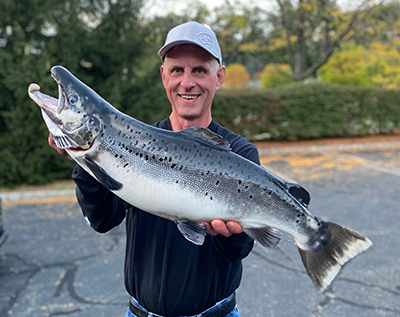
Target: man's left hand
[218, 226]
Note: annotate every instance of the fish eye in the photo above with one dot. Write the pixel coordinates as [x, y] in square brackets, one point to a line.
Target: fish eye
[73, 99]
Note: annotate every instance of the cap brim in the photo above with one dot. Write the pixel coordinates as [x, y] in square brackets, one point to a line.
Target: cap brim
[167, 47]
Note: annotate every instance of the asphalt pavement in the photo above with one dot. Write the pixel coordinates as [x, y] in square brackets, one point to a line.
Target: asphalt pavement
[54, 264]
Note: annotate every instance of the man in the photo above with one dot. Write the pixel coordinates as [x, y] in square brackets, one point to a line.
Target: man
[164, 273]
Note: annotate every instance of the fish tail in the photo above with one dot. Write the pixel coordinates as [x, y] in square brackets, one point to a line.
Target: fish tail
[340, 245]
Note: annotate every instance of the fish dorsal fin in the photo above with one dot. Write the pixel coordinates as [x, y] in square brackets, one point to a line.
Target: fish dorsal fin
[299, 193]
[207, 137]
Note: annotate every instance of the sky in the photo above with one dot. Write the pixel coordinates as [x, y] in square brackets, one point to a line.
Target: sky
[157, 7]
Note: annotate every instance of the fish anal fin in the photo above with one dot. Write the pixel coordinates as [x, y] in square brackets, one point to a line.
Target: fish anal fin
[323, 265]
[102, 176]
[192, 231]
[207, 137]
[267, 236]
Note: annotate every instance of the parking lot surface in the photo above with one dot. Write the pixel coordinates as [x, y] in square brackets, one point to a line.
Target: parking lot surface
[54, 264]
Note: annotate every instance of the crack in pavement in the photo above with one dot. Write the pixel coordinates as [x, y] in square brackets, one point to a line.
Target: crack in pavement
[329, 294]
[67, 281]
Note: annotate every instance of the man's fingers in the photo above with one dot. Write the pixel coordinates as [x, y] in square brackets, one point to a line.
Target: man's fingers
[234, 227]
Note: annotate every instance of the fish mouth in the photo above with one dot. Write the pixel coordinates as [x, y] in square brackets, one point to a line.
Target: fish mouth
[46, 102]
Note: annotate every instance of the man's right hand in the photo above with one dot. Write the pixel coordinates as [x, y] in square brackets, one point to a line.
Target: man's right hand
[61, 151]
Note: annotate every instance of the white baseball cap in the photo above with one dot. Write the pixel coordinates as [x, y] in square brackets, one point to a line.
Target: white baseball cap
[192, 33]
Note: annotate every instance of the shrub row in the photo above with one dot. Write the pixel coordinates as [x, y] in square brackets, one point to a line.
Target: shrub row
[309, 111]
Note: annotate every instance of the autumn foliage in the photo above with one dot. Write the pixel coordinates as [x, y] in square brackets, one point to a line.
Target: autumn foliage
[236, 76]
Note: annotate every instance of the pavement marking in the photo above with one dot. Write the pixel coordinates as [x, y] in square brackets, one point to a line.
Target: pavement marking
[371, 164]
[334, 147]
[44, 200]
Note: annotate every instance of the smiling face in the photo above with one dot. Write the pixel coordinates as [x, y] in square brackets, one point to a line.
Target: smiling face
[191, 76]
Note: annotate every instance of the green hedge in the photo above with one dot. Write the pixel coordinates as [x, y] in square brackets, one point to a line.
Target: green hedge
[289, 113]
[309, 111]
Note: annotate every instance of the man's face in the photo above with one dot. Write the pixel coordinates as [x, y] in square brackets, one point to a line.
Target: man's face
[191, 78]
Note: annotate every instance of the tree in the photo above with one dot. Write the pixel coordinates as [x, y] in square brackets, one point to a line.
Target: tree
[241, 33]
[313, 30]
[274, 75]
[97, 40]
[378, 65]
[236, 76]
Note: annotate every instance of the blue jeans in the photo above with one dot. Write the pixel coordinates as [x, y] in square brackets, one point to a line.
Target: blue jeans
[233, 313]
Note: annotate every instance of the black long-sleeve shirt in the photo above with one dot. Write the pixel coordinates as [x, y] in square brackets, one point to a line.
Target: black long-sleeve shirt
[167, 274]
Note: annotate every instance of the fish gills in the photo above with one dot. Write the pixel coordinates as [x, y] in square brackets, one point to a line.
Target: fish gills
[343, 245]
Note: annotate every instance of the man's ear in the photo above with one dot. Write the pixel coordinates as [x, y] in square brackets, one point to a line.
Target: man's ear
[162, 74]
[220, 76]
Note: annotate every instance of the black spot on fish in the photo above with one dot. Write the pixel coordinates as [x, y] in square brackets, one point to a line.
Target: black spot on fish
[297, 221]
[250, 196]
[128, 127]
[146, 157]
[161, 159]
[217, 182]
[116, 155]
[173, 165]
[240, 181]
[206, 194]
[126, 165]
[238, 190]
[211, 198]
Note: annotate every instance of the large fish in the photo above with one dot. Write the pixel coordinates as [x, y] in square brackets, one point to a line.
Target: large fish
[190, 177]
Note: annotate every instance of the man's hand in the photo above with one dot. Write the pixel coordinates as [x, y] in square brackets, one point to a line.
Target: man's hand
[218, 226]
[60, 151]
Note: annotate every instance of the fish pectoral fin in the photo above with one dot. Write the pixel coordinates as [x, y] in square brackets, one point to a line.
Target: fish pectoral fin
[299, 193]
[102, 176]
[207, 137]
[267, 236]
[192, 231]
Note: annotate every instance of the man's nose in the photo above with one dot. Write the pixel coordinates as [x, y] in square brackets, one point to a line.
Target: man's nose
[187, 80]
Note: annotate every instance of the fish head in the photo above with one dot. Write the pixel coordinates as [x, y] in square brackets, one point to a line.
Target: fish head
[71, 119]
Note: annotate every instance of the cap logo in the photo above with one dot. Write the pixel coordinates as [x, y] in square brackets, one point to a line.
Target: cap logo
[205, 39]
